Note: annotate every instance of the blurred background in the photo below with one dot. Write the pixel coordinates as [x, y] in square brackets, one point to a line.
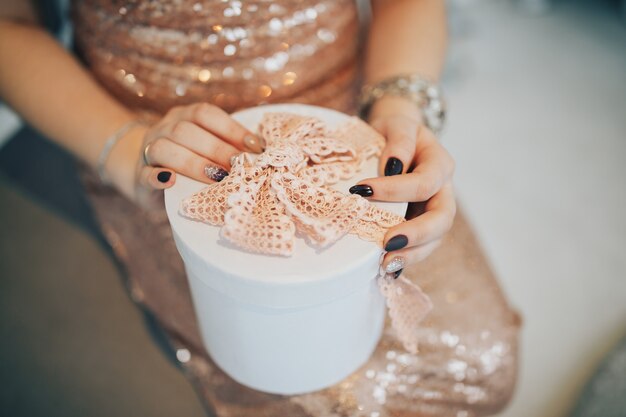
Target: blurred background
[537, 98]
[538, 128]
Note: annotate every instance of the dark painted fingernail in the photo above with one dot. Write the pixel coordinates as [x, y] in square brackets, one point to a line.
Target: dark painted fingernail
[362, 190]
[164, 176]
[215, 173]
[397, 274]
[396, 242]
[393, 167]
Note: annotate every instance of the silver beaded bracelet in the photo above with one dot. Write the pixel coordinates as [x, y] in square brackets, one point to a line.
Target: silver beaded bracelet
[419, 90]
[108, 146]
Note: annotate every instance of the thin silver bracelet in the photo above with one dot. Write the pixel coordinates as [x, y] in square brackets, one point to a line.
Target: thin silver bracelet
[108, 146]
[424, 93]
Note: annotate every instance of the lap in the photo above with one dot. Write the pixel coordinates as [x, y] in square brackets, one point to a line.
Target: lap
[468, 352]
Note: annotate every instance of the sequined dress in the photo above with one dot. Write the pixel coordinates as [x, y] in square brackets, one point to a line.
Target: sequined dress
[153, 55]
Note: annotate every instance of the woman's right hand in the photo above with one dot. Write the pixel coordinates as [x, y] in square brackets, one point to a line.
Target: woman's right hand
[196, 140]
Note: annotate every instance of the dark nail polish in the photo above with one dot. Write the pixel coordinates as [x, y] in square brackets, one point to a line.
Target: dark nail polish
[362, 190]
[215, 173]
[393, 167]
[396, 242]
[164, 176]
[397, 274]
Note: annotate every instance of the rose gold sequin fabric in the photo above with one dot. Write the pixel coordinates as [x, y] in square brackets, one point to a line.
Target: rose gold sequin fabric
[153, 55]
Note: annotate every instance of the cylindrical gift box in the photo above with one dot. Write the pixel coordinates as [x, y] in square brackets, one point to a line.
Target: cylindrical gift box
[283, 325]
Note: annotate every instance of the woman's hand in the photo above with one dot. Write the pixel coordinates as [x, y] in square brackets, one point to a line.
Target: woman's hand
[416, 169]
[197, 141]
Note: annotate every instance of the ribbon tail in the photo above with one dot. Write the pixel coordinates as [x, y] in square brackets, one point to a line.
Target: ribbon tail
[407, 305]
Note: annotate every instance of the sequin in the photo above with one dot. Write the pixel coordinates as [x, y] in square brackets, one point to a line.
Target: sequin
[228, 72]
[272, 64]
[247, 73]
[183, 355]
[265, 91]
[229, 12]
[326, 35]
[204, 75]
[449, 338]
[276, 9]
[310, 13]
[275, 25]
[180, 90]
[289, 78]
[239, 32]
[229, 50]
[130, 78]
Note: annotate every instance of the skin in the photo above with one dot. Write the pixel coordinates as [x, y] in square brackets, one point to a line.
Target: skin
[409, 36]
[50, 89]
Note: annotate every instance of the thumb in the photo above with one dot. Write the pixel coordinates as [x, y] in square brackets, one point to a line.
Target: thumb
[150, 181]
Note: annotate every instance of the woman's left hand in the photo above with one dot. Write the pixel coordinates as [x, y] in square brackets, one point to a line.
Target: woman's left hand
[415, 168]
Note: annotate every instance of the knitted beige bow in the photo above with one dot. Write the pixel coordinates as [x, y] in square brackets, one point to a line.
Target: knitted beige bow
[267, 198]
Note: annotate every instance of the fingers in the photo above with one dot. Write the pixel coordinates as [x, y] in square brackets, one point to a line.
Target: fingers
[218, 122]
[435, 167]
[198, 141]
[201, 142]
[163, 152]
[156, 177]
[427, 227]
[413, 240]
[395, 262]
[401, 134]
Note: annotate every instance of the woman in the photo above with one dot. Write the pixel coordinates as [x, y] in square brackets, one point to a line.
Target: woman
[188, 63]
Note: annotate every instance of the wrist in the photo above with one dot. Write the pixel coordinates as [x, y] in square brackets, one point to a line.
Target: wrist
[391, 105]
[428, 106]
[122, 163]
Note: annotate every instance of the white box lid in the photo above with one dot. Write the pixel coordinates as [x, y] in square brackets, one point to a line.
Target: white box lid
[308, 277]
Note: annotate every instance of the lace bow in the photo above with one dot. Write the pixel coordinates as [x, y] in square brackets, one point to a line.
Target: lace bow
[267, 198]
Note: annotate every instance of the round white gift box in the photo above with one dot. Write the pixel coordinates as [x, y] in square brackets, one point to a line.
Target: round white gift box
[284, 325]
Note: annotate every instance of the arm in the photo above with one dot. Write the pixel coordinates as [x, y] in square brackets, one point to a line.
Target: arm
[50, 89]
[406, 36]
[409, 36]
